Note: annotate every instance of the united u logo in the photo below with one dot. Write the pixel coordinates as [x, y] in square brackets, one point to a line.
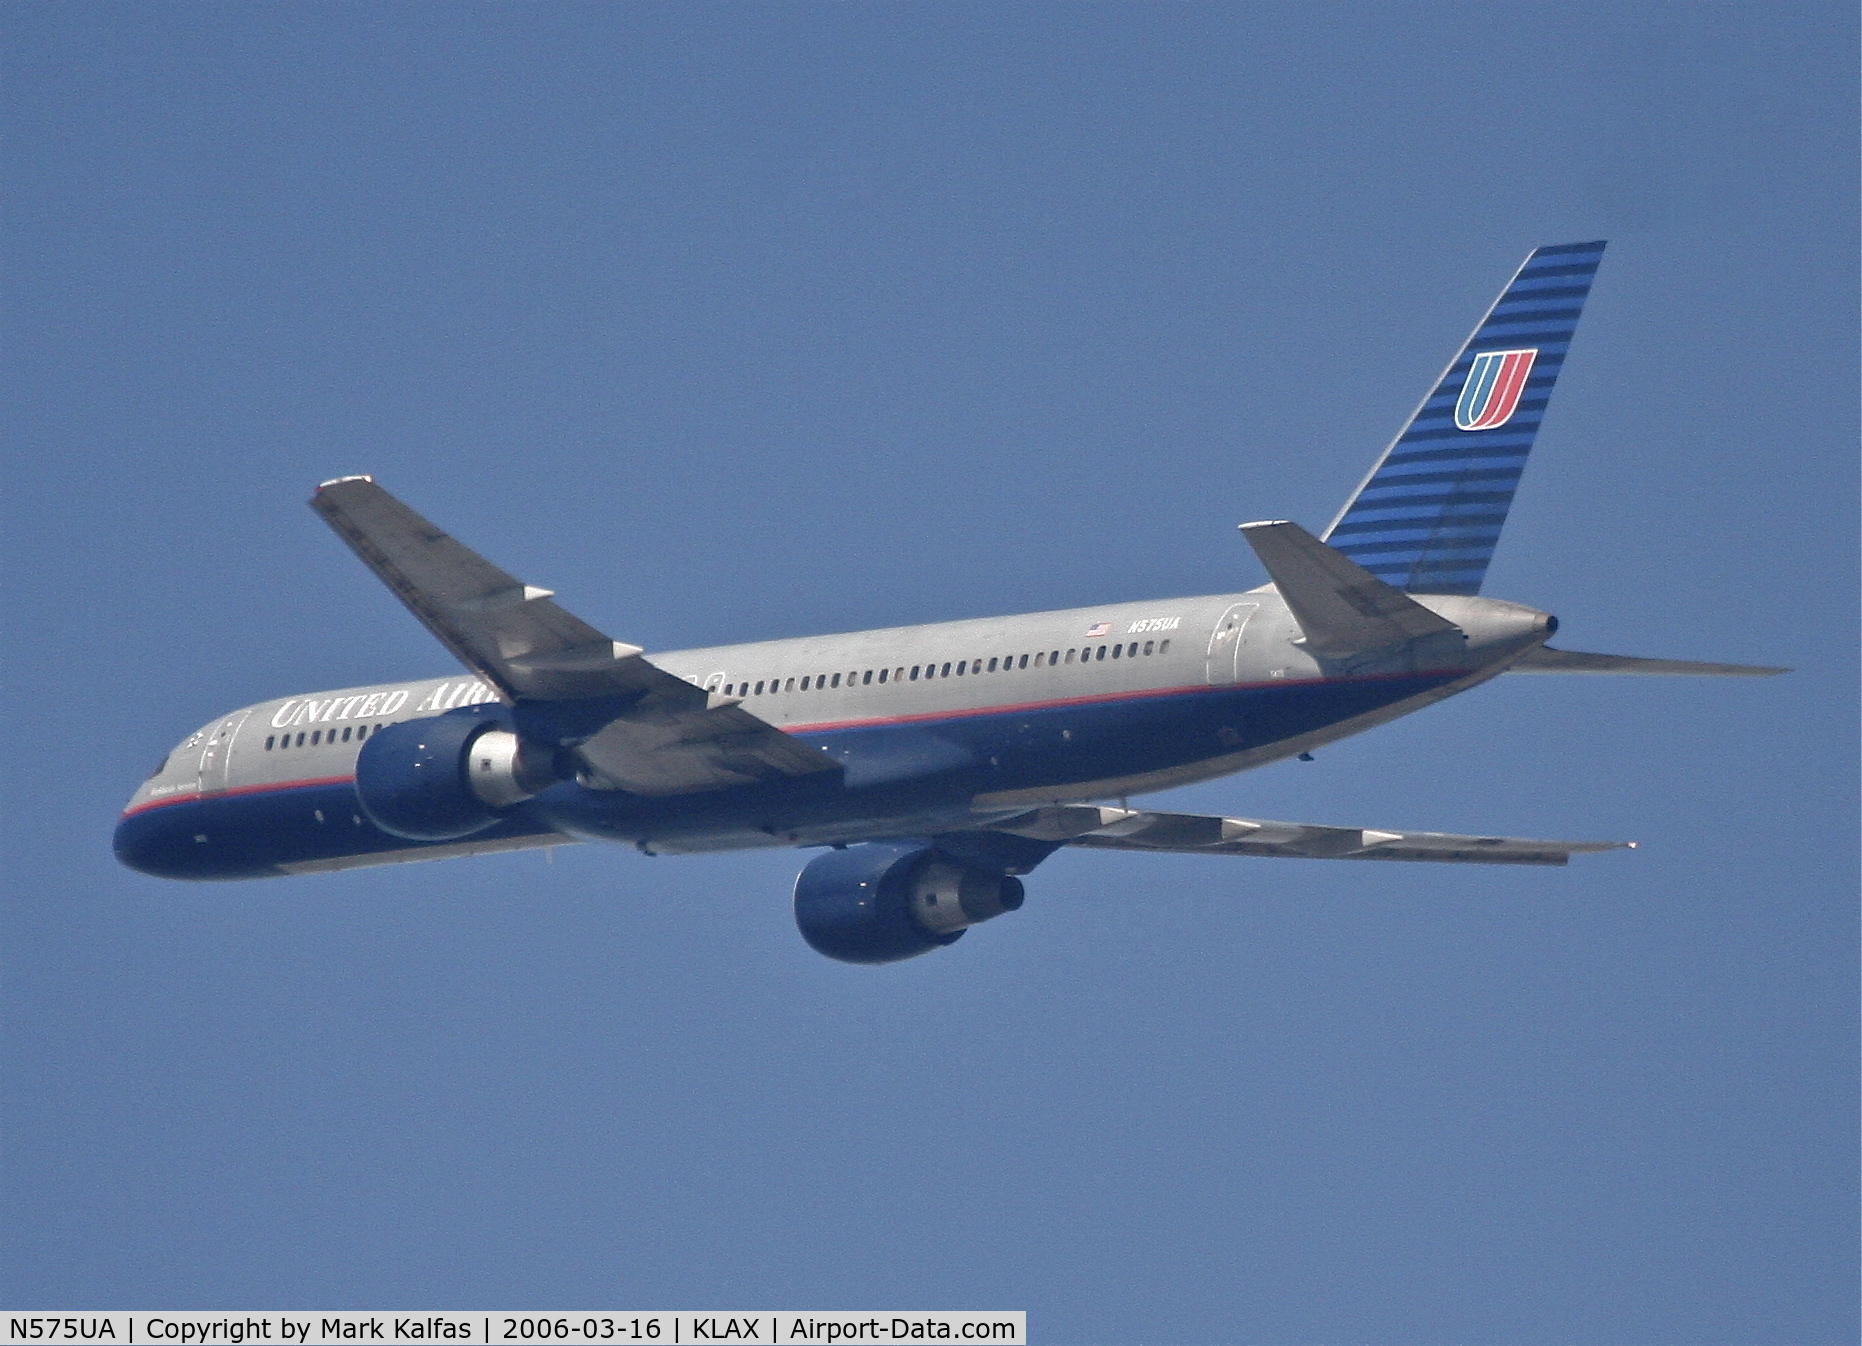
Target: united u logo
[1491, 394]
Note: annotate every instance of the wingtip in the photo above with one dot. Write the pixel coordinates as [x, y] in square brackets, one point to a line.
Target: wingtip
[338, 481]
[1263, 523]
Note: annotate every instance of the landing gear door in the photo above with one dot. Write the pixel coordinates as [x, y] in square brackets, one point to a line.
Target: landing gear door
[217, 749]
[1224, 642]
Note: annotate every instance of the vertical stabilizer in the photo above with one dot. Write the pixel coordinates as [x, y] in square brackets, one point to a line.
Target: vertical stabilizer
[1428, 516]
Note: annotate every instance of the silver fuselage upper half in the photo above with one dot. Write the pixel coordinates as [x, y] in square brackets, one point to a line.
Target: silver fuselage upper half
[1056, 703]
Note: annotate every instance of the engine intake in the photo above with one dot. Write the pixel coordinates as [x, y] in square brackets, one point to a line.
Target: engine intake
[447, 777]
[885, 901]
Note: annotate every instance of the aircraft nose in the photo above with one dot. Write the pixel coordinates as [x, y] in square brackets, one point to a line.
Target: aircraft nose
[172, 843]
[146, 843]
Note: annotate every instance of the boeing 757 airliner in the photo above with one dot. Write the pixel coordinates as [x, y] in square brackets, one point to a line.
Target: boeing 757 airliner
[933, 764]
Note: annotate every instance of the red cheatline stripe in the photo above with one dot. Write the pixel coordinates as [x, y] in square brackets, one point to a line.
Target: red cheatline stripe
[881, 721]
[195, 796]
[1024, 706]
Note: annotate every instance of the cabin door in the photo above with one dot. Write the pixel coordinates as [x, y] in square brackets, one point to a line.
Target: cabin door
[1224, 642]
[217, 749]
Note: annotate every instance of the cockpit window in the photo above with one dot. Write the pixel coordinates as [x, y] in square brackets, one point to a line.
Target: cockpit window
[160, 767]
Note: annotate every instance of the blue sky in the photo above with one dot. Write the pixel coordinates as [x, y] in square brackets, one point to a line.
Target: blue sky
[735, 321]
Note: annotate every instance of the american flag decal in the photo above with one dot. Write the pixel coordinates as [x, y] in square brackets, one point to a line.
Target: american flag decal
[1099, 629]
[1491, 394]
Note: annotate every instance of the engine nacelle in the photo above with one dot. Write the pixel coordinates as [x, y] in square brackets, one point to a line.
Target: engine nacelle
[444, 778]
[883, 901]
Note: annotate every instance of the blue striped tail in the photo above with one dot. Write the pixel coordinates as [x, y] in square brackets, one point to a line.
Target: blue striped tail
[1428, 516]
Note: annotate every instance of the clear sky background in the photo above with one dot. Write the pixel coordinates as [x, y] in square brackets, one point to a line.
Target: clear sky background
[737, 321]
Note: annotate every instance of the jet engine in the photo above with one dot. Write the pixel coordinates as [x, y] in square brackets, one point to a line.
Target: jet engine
[884, 901]
[446, 777]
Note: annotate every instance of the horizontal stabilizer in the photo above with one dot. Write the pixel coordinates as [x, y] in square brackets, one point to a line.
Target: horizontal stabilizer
[1543, 660]
[1120, 829]
[1343, 610]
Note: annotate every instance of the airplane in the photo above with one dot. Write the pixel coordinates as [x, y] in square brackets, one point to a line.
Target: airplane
[936, 765]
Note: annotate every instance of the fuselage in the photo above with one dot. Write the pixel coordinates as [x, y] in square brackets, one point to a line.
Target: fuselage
[937, 728]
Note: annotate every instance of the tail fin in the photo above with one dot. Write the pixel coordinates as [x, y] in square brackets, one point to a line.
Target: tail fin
[1428, 516]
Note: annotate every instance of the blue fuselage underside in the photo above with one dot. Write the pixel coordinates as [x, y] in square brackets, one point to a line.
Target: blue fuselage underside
[895, 771]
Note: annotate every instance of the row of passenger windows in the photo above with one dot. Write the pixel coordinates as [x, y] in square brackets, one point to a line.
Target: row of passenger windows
[283, 741]
[823, 681]
[1001, 664]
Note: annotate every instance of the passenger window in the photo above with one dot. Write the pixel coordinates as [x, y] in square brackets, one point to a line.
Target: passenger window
[882, 675]
[836, 681]
[1040, 660]
[268, 748]
[914, 672]
[362, 733]
[346, 732]
[992, 665]
[1117, 650]
[1069, 656]
[1022, 662]
[1149, 645]
[1163, 647]
[898, 675]
[315, 734]
[1053, 658]
[300, 740]
[866, 678]
[759, 689]
[1100, 658]
[804, 684]
[946, 672]
[789, 686]
[1131, 650]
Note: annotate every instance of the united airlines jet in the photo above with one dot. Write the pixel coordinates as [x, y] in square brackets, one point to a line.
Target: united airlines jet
[933, 765]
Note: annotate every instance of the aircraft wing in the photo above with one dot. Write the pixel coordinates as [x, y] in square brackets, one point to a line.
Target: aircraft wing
[1201, 834]
[635, 726]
